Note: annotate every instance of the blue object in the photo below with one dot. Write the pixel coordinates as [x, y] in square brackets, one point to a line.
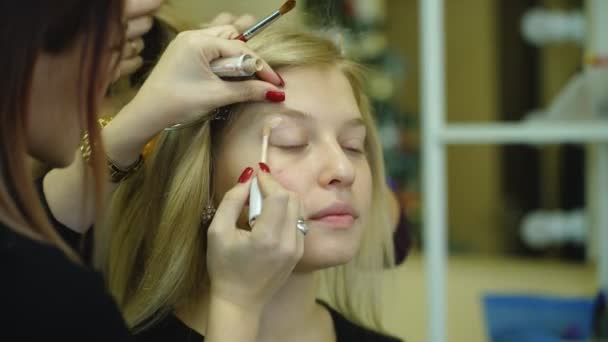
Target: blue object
[529, 318]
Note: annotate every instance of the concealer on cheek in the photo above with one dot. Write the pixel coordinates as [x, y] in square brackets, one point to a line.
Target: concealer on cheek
[255, 195]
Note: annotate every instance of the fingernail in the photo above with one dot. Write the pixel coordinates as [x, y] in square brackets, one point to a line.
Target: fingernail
[264, 167]
[282, 84]
[242, 38]
[275, 96]
[246, 175]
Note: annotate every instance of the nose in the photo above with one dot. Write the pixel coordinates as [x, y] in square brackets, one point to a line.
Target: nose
[337, 170]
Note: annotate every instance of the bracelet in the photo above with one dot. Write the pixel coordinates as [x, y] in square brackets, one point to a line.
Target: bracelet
[117, 174]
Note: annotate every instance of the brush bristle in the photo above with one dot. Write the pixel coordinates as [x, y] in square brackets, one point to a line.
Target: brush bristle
[288, 6]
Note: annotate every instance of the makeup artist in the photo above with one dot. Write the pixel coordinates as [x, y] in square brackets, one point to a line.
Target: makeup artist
[57, 60]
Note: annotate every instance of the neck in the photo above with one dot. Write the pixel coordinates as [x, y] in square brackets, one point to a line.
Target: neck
[291, 312]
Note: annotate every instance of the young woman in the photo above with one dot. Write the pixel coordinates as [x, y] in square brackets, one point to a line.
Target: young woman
[164, 267]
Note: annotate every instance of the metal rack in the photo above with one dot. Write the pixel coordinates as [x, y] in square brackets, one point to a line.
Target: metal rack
[437, 135]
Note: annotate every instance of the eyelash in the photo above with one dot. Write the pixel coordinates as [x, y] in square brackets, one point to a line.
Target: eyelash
[297, 148]
[293, 148]
[354, 150]
[353, 147]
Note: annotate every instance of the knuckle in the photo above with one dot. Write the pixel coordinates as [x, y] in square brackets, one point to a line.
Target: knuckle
[247, 18]
[232, 31]
[227, 16]
[182, 36]
[231, 194]
[248, 92]
[290, 253]
[187, 38]
[241, 44]
[268, 242]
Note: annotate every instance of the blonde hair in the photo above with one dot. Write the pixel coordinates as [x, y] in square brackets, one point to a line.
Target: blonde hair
[157, 247]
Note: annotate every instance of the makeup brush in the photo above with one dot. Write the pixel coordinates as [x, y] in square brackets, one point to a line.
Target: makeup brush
[262, 24]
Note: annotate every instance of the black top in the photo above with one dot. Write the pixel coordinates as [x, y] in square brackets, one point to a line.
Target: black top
[46, 297]
[172, 329]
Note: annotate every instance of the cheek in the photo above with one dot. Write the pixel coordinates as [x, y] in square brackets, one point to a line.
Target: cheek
[290, 179]
[362, 188]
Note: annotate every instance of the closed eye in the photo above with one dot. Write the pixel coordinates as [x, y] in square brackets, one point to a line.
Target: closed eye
[355, 150]
[354, 146]
[293, 148]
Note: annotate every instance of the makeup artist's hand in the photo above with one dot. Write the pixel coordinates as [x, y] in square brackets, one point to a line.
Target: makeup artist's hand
[139, 16]
[246, 268]
[182, 88]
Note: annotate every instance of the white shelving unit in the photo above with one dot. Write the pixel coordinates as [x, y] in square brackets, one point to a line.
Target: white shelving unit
[437, 135]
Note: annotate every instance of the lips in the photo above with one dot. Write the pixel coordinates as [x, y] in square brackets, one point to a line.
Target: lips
[336, 215]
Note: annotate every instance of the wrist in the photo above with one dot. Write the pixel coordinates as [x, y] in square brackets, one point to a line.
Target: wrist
[121, 148]
[128, 133]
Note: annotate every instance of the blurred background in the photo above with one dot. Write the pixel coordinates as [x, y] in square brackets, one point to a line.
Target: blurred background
[519, 233]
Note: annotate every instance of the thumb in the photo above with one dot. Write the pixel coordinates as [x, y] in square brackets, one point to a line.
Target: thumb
[230, 92]
[232, 204]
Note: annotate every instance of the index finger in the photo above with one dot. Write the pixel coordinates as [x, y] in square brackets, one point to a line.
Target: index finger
[213, 48]
[136, 8]
[229, 209]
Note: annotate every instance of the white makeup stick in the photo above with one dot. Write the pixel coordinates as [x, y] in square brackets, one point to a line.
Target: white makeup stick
[255, 195]
[240, 66]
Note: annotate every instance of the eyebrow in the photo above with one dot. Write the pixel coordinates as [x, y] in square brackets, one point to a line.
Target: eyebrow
[296, 114]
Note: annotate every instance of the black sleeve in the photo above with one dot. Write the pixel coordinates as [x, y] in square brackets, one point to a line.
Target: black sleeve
[46, 297]
[81, 243]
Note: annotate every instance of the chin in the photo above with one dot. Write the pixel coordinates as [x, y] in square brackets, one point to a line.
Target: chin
[322, 252]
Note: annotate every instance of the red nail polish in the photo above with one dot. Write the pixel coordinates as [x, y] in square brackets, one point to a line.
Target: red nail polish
[264, 167]
[246, 175]
[275, 96]
[242, 38]
[282, 84]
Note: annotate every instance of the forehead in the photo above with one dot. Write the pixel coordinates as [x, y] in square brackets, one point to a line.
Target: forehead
[322, 92]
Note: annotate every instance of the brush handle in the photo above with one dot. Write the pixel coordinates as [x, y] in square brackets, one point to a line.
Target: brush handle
[257, 28]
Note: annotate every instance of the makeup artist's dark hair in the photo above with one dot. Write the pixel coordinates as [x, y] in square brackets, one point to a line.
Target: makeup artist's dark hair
[27, 29]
